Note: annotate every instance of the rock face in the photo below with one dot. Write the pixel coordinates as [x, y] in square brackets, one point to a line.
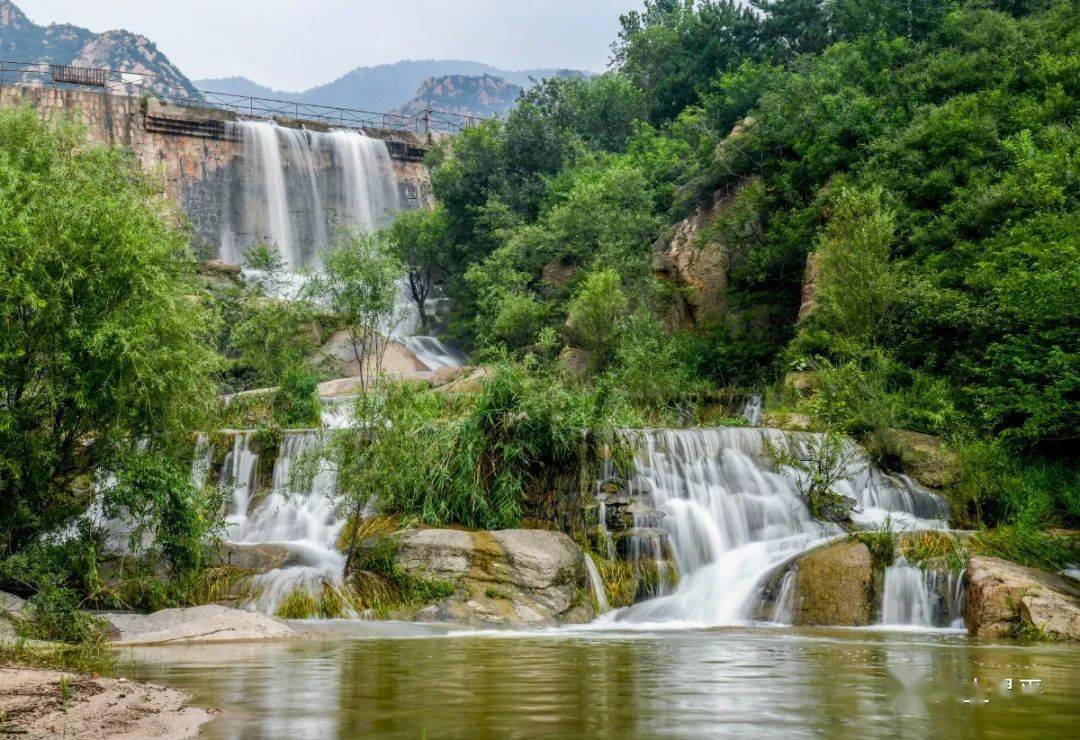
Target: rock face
[924, 457]
[513, 578]
[1003, 598]
[210, 623]
[834, 586]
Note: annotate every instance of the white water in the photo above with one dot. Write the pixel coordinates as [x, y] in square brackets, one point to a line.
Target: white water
[596, 584]
[298, 514]
[732, 519]
[754, 410]
[915, 597]
[294, 188]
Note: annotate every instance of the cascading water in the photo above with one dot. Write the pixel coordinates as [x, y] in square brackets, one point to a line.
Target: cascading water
[300, 520]
[732, 519]
[920, 597]
[294, 187]
[754, 410]
[596, 584]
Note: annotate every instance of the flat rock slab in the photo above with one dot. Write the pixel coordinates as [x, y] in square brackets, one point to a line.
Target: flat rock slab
[210, 623]
[96, 708]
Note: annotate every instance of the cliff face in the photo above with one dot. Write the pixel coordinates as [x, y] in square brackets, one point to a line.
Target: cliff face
[481, 96]
[22, 40]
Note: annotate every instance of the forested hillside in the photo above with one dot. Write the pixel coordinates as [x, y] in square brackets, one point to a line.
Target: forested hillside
[923, 155]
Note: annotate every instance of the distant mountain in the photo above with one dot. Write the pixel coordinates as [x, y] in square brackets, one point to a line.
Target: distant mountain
[482, 96]
[384, 87]
[22, 40]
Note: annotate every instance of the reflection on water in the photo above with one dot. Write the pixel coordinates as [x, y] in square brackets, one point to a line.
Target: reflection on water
[409, 681]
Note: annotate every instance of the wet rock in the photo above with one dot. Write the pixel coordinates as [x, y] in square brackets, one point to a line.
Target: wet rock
[261, 557]
[516, 577]
[197, 624]
[834, 586]
[643, 543]
[1004, 598]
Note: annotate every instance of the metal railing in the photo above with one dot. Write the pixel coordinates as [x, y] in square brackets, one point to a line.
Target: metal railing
[137, 84]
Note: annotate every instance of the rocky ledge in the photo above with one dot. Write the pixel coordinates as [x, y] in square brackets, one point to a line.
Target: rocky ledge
[199, 624]
[508, 578]
[1005, 599]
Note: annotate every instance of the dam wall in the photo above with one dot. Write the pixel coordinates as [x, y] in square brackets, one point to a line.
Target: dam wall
[197, 156]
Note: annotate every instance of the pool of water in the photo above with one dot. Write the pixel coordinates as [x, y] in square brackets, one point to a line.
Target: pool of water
[396, 680]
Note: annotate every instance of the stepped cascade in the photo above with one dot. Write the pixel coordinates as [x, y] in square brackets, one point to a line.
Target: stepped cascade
[732, 519]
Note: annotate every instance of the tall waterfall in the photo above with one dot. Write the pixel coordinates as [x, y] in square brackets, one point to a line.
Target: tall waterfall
[294, 187]
[732, 519]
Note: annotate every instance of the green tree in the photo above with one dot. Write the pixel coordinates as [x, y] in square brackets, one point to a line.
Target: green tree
[595, 314]
[421, 241]
[105, 342]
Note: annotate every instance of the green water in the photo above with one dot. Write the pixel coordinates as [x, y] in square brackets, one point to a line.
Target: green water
[387, 680]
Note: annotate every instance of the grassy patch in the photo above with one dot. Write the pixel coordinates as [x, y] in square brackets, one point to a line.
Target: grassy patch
[91, 656]
[1028, 547]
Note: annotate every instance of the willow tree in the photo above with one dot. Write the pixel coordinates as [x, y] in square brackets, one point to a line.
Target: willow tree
[105, 347]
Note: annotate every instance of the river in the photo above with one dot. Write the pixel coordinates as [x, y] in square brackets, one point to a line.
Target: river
[404, 680]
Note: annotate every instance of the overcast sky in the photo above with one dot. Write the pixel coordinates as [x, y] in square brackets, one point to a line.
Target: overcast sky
[295, 44]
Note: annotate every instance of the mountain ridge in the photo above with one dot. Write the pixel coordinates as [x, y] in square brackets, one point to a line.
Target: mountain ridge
[22, 40]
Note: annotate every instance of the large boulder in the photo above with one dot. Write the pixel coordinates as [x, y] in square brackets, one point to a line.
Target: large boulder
[1004, 599]
[834, 585]
[515, 577]
[197, 624]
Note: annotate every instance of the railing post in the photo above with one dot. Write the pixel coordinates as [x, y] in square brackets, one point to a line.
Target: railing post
[427, 120]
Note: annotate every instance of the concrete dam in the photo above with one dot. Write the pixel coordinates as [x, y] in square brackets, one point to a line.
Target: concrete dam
[287, 182]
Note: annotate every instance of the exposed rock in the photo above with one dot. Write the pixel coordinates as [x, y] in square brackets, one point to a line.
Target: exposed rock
[809, 285]
[834, 586]
[210, 623]
[260, 557]
[13, 607]
[469, 382]
[701, 268]
[557, 274]
[447, 374]
[1003, 597]
[643, 543]
[924, 457]
[789, 421]
[516, 577]
[801, 383]
[575, 363]
[397, 359]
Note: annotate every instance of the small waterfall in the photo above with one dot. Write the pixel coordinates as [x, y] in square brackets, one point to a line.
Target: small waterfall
[784, 611]
[304, 522]
[200, 464]
[432, 352]
[596, 584]
[293, 187]
[732, 519]
[920, 597]
[754, 410]
[238, 473]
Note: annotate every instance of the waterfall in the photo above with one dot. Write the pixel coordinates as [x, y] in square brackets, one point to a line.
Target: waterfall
[596, 584]
[300, 522]
[293, 187]
[784, 610]
[920, 597]
[754, 410]
[732, 519]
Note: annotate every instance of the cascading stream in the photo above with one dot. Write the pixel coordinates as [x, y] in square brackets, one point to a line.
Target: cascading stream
[921, 597]
[732, 519]
[298, 517]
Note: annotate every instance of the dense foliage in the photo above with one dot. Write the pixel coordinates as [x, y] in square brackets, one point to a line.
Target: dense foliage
[923, 153]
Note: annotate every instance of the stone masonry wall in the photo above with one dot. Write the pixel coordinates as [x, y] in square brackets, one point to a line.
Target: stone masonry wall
[187, 150]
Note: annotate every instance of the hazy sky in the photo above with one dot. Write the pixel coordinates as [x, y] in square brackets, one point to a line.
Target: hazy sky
[296, 44]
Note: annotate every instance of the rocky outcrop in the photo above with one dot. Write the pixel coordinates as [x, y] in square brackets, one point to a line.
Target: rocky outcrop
[924, 457]
[834, 585]
[811, 273]
[197, 624]
[1004, 599]
[511, 578]
[696, 264]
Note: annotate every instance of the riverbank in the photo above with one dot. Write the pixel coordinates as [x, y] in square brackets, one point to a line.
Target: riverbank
[37, 703]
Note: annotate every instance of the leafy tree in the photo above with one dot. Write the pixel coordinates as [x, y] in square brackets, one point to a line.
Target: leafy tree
[358, 281]
[421, 241]
[105, 343]
[595, 313]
